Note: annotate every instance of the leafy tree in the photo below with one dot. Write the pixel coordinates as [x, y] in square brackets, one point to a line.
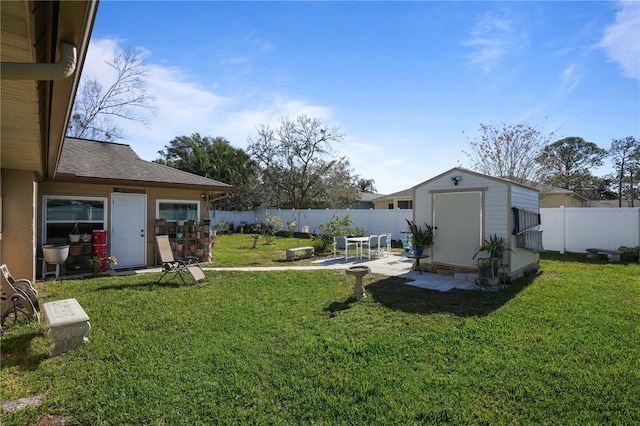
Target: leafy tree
[216, 159]
[213, 158]
[595, 187]
[568, 161]
[339, 189]
[366, 185]
[509, 151]
[298, 164]
[625, 155]
[96, 109]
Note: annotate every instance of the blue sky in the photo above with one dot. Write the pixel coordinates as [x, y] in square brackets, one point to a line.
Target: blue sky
[407, 83]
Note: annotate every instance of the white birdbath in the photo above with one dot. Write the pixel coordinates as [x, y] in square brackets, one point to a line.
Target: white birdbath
[358, 272]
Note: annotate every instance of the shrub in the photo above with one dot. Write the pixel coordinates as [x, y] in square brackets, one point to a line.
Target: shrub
[334, 228]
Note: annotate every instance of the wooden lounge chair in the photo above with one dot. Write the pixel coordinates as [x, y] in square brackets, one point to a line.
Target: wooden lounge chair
[173, 266]
[17, 296]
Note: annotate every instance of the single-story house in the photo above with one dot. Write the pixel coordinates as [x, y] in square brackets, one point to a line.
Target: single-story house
[44, 45]
[398, 200]
[366, 200]
[106, 186]
[553, 196]
[466, 207]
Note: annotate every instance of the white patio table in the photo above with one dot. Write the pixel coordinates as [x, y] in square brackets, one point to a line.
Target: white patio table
[358, 241]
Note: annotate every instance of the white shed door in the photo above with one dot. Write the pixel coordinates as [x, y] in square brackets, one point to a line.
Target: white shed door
[458, 219]
[128, 242]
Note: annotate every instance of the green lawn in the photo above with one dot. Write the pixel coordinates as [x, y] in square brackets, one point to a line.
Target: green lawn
[292, 348]
[235, 250]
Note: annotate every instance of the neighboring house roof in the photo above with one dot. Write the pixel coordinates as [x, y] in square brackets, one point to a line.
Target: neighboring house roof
[368, 196]
[555, 190]
[405, 193]
[101, 162]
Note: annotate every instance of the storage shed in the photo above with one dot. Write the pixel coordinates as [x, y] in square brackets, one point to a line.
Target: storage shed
[466, 207]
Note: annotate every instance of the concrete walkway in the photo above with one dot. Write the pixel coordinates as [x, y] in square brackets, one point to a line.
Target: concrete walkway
[395, 265]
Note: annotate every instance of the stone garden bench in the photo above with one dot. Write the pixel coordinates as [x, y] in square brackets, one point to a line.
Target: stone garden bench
[306, 252]
[67, 325]
[612, 255]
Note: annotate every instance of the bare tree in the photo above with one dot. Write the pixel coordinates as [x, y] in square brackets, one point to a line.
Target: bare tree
[298, 163]
[509, 151]
[96, 111]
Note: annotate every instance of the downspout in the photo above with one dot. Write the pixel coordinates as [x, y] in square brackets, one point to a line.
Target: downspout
[57, 71]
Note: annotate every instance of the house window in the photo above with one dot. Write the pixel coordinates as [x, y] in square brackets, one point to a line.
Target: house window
[62, 213]
[173, 210]
[390, 206]
[407, 204]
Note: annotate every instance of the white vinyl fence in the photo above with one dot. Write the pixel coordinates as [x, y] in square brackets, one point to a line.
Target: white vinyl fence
[374, 222]
[571, 229]
[576, 229]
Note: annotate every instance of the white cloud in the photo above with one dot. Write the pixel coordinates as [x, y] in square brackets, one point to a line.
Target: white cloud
[569, 78]
[620, 41]
[184, 107]
[493, 38]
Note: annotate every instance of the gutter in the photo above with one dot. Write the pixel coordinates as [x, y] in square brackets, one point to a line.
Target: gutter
[57, 71]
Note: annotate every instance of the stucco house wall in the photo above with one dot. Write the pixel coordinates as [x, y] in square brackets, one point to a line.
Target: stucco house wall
[559, 200]
[153, 194]
[91, 174]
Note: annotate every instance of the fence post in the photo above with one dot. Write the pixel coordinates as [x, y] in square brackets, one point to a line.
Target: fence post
[564, 228]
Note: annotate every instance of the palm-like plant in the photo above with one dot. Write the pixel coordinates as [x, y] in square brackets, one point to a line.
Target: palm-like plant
[420, 237]
[495, 246]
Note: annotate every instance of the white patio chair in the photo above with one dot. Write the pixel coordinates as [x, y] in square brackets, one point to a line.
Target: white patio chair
[384, 246]
[371, 245]
[340, 243]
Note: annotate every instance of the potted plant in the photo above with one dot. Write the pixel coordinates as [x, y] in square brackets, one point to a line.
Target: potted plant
[495, 246]
[99, 264]
[485, 268]
[420, 237]
[629, 253]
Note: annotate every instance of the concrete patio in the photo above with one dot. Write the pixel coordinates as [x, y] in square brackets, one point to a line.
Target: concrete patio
[395, 265]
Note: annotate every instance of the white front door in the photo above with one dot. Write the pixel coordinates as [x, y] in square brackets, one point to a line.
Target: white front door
[457, 217]
[128, 229]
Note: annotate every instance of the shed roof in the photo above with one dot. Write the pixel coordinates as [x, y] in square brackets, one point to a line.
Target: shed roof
[463, 170]
[114, 163]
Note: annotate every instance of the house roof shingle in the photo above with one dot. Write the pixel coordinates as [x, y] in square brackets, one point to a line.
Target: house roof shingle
[93, 161]
[405, 193]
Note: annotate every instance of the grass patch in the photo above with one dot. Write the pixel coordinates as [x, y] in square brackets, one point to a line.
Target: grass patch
[232, 250]
[235, 250]
[292, 348]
